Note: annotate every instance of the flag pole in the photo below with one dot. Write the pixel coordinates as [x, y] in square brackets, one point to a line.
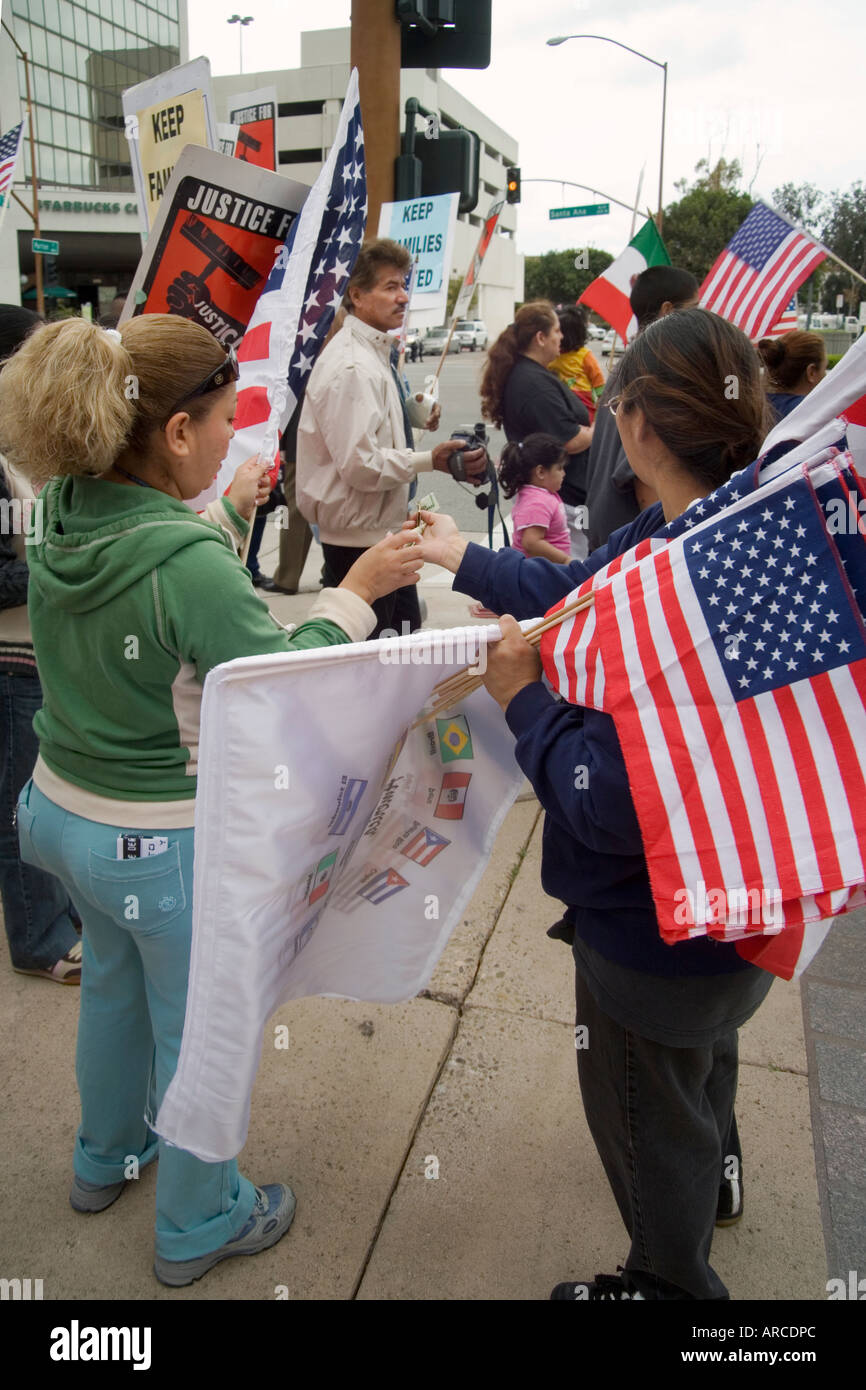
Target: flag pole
[636, 201]
[37, 255]
[827, 252]
[455, 688]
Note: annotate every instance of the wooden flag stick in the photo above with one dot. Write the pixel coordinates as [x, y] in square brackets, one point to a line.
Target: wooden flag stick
[454, 689]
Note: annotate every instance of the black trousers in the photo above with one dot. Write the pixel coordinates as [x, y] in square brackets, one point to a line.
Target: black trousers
[392, 610]
[662, 1119]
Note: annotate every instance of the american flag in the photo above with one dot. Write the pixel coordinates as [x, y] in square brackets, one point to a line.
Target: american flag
[764, 263]
[303, 292]
[734, 665]
[10, 148]
[787, 323]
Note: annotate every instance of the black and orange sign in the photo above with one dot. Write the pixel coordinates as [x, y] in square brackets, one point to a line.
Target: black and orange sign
[219, 229]
[255, 115]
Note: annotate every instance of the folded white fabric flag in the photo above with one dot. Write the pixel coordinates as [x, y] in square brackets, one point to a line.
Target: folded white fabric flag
[331, 855]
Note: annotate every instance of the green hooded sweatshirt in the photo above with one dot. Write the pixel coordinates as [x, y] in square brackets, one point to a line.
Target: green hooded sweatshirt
[133, 599]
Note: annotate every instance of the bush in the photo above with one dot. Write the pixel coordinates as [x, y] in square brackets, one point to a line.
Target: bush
[833, 358]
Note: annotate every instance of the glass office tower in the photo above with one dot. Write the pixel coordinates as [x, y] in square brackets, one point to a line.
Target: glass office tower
[82, 56]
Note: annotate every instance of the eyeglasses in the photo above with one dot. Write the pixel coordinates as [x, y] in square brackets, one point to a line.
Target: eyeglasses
[221, 376]
[613, 404]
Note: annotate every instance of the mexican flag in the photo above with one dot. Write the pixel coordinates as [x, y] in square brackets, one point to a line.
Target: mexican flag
[609, 294]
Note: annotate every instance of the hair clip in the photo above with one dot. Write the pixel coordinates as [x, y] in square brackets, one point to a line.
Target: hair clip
[113, 333]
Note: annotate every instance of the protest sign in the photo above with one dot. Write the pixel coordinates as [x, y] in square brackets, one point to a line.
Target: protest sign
[425, 226]
[213, 246]
[470, 279]
[255, 115]
[162, 116]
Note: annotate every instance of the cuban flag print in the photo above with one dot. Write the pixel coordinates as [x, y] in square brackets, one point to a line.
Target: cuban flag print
[383, 886]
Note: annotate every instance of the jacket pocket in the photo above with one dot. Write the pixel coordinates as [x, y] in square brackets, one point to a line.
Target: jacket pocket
[142, 894]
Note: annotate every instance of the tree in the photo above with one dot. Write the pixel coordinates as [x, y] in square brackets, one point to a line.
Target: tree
[803, 203]
[807, 206]
[701, 223]
[455, 284]
[554, 275]
[845, 233]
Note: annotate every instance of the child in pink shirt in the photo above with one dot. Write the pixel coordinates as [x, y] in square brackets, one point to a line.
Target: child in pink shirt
[534, 470]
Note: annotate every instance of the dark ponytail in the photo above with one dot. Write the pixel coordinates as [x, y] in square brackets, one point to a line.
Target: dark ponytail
[697, 380]
[537, 317]
[787, 357]
[519, 460]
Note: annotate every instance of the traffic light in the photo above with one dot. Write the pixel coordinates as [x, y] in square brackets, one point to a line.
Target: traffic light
[444, 33]
[512, 186]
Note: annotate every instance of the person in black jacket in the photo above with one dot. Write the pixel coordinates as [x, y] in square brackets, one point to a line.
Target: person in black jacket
[659, 1074]
[614, 496]
[40, 929]
[522, 397]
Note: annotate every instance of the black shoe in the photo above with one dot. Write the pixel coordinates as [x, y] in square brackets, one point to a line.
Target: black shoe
[270, 587]
[730, 1204]
[260, 581]
[604, 1287]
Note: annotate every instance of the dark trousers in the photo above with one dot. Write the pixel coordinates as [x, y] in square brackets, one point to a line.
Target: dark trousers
[294, 534]
[392, 610]
[662, 1119]
[36, 907]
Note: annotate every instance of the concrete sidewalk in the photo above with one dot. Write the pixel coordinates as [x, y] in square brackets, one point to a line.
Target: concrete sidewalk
[438, 1148]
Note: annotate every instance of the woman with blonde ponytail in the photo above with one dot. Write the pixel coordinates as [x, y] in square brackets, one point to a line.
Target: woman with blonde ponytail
[133, 599]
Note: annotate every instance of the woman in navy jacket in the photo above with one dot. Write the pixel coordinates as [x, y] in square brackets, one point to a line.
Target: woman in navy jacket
[659, 1074]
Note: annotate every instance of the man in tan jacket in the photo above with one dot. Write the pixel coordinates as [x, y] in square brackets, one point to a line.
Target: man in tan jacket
[356, 457]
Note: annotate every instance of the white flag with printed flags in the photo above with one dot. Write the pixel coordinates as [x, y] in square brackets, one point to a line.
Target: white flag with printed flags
[336, 848]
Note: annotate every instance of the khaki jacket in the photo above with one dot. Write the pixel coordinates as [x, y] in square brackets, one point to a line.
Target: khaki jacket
[353, 467]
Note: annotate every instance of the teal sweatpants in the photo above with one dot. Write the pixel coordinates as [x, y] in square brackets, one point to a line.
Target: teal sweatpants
[137, 925]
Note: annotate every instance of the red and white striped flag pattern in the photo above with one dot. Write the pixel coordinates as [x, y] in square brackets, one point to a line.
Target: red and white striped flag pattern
[734, 665]
[10, 149]
[764, 263]
[786, 323]
[297, 305]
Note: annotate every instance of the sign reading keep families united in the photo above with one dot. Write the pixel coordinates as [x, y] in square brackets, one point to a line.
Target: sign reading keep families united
[425, 226]
[161, 117]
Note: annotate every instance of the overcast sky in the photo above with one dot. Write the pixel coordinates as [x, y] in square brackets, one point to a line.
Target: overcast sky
[775, 81]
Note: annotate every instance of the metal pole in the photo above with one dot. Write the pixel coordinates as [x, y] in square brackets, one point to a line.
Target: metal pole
[636, 201]
[570, 183]
[662, 155]
[37, 256]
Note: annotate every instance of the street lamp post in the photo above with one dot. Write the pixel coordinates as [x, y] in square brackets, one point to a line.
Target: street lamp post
[563, 38]
[241, 20]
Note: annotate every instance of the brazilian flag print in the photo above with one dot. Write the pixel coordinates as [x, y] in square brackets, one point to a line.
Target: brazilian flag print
[454, 738]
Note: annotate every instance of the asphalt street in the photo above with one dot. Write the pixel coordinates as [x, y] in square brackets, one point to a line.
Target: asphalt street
[460, 395]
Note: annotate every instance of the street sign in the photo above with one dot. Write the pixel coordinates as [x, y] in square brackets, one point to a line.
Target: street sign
[587, 210]
[47, 248]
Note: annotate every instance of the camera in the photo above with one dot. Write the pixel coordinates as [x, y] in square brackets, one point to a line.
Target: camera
[475, 437]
